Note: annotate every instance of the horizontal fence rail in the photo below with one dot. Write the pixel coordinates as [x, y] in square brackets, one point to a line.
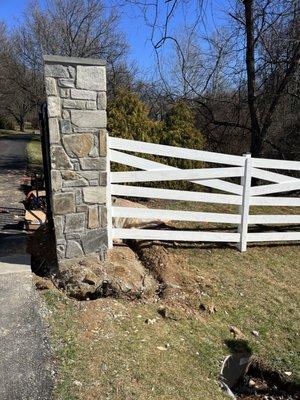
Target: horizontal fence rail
[242, 195]
[172, 151]
[186, 236]
[137, 162]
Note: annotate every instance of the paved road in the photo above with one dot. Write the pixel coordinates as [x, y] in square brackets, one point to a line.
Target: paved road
[12, 170]
[25, 356]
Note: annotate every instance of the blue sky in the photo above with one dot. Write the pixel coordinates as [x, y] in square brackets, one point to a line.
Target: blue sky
[132, 24]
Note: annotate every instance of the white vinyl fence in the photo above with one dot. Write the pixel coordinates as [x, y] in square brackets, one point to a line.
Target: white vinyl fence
[243, 194]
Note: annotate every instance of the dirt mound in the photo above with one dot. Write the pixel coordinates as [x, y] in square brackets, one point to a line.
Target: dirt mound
[122, 275]
[162, 265]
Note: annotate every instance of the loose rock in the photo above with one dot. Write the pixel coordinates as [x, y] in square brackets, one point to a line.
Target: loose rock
[122, 275]
[237, 333]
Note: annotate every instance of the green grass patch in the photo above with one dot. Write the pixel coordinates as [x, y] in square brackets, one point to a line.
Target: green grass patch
[34, 152]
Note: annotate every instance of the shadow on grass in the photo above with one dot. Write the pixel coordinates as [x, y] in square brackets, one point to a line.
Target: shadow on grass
[239, 346]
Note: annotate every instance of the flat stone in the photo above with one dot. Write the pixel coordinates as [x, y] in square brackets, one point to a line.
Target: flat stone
[74, 104]
[60, 251]
[50, 87]
[64, 93]
[78, 145]
[93, 221]
[94, 152]
[56, 71]
[94, 240]
[65, 126]
[91, 77]
[56, 180]
[66, 114]
[101, 101]
[97, 163]
[75, 222]
[78, 196]
[91, 105]
[58, 225]
[73, 236]
[103, 178]
[59, 158]
[75, 183]
[63, 203]
[54, 135]
[66, 83]
[72, 71]
[54, 107]
[89, 118]
[102, 142]
[89, 175]
[76, 129]
[83, 94]
[69, 175]
[73, 249]
[94, 194]
[103, 216]
[82, 208]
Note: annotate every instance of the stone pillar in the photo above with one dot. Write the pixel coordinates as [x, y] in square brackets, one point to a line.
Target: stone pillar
[76, 98]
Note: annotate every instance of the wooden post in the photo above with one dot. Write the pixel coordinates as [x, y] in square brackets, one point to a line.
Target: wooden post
[108, 198]
[244, 208]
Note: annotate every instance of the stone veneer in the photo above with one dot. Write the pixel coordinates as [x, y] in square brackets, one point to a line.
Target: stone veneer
[76, 98]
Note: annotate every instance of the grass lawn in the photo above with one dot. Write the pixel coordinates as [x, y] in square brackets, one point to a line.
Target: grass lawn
[34, 152]
[105, 349]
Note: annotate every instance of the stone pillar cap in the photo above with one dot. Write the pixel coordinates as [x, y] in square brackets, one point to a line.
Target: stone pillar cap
[51, 59]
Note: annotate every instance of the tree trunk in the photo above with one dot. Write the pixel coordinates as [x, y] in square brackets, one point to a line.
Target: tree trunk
[22, 123]
[256, 143]
[256, 139]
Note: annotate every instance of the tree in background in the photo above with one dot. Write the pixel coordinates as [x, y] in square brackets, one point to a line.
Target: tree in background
[128, 118]
[80, 28]
[180, 130]
[242, 77]
[73, 28]
[21, 88]
[180, 127]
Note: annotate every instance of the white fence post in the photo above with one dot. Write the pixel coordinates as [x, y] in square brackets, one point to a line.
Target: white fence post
[244, 208]
[108, 198]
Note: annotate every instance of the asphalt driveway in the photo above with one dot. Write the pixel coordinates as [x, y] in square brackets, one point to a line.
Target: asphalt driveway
[25, 355]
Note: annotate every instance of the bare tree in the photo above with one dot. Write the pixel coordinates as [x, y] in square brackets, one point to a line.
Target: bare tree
[81, 28]
[245, 70]
[21, 87]
[278, 43]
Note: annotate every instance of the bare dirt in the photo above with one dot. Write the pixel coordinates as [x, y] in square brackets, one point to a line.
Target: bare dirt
[261, 382]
